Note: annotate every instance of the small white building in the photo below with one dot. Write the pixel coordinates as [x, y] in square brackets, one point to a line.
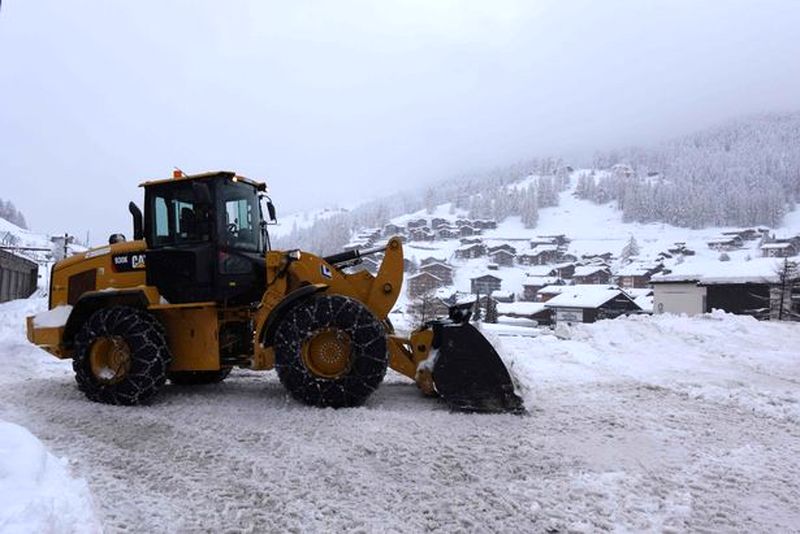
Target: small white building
[699, 286]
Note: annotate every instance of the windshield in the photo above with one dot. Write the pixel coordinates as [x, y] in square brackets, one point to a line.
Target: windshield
[241, 217]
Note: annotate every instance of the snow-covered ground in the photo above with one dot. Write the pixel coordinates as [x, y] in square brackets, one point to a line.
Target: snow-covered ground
[664, 423]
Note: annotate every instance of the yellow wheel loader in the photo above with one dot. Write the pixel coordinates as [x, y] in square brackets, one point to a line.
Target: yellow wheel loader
[198, 292]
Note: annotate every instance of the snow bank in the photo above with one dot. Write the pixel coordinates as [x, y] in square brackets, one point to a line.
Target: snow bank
[720, 357]
[37, 492]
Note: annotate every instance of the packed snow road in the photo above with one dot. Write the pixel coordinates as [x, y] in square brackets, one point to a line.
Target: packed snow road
[637, 424]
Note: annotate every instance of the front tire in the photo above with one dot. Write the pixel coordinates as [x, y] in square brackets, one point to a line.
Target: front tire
[330, 351]
[121, 356]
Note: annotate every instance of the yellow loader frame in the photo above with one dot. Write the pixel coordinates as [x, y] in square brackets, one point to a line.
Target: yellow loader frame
[89, 281]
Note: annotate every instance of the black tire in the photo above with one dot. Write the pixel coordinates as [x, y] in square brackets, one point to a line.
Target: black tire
[149, 355]
[368, 357]
[198, 378]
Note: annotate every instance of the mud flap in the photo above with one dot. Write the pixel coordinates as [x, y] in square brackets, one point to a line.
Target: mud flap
[469, 374]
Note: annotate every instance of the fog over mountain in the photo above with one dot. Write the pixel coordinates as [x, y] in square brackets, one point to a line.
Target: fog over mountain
[738, 173]
[334, 103]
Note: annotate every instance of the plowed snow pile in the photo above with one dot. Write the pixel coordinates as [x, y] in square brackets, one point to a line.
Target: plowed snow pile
[37, 492]
[637, 424]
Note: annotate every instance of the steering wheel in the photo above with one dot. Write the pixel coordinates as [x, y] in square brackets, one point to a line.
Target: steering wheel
[233, 229]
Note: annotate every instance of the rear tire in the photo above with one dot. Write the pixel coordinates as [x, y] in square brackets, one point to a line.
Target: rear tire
[331, 317]
[141, 370]
[198, 378]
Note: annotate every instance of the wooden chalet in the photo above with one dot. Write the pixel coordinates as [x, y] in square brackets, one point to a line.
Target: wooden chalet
[591, 274]
[422, 233]
[467, 231]
[440, 269]
[422, 283]
[470, 251]
[779, 250]
[725, 243]
[438, 222]
[637, 275]
[534, 284]
[390, 230]
[589, 303]
[483, 285]
[541, 255]
[503, 246]
[502, 257]
[447, 232]
[533, 311]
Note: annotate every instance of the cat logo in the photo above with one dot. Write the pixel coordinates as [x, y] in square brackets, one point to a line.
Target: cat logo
[124, 263]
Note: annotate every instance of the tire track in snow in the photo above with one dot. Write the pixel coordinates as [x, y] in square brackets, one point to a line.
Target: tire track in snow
[241, 457]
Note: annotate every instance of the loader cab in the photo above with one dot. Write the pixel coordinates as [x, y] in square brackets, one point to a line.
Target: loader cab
[206, 238]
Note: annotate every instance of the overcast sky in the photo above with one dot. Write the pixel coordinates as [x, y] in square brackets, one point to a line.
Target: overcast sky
[335, 101]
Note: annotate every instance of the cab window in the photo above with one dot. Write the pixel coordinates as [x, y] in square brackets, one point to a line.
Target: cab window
[177, 219]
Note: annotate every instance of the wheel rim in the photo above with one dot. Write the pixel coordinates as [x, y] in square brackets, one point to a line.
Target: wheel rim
[327, 353]
[110, 359]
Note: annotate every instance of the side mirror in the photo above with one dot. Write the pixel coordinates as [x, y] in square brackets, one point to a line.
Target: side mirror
[201, 193]
[271, 211]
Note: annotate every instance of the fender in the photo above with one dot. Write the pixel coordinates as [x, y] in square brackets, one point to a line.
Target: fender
[280, 310]
[92, 301]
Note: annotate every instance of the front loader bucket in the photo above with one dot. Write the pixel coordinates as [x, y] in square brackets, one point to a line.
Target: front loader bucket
[469, 374]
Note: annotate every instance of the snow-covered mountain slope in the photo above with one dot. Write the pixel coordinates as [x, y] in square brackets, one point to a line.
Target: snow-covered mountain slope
[11, 234]
[592, 229]
[640, 424]
[302, 220]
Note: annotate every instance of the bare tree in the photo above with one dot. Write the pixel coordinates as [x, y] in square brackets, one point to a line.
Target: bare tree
[789, 291]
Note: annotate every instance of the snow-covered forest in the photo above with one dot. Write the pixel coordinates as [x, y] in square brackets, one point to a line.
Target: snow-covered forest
[9, 212]
[486, 194]
[744, 172]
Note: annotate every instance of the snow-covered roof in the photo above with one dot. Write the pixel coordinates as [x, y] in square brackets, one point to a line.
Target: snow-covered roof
[586, 270]
[539, 281]
[539, 270]
[708, 271]
[645, 302]
[722, 239]
[503, 294]
[585, 296]
[776, 245]
[483, 276]
[520, 308]
[538, 249]
[553, 289]
[435, 264]
[423, 273]
[636, 292]
[635, 269]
